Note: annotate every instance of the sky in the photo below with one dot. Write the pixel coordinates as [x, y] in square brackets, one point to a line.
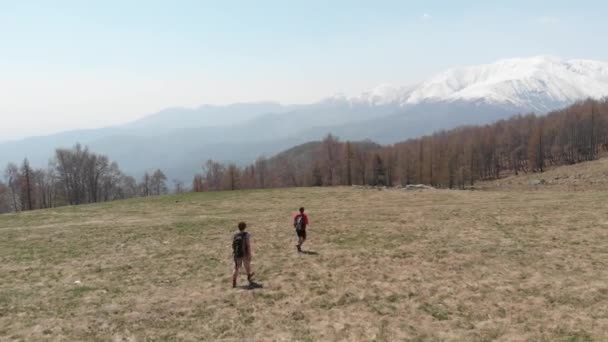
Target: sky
[83, 64]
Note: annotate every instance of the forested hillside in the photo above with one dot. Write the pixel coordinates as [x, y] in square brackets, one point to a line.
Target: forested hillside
[454, 158]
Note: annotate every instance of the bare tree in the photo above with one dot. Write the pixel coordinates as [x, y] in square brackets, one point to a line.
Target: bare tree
[27, 186]
[42, 189]
[248, 177]
[287, 172]
[109, 182]
[232, 177]
[158, 183]
[348, 157]
[378, 171]
[261, 167]
[317, 175]
[128, 187]
[5, 205]
[198, 183]
[71, 165]
[13, 177]
[178, 186]
[360, 167]
[330, 150]
[74, 176]
[214, 173]
[146, 185]
[95, 172]
[535, 149]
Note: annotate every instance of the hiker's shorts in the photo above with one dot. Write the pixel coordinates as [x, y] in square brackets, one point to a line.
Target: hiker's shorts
[301, 233]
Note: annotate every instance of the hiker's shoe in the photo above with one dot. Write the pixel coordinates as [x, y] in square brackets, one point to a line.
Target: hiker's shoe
[299, 248]
[233, 284]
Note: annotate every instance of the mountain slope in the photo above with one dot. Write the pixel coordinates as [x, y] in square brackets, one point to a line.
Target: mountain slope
[414, 121]
[203, 116]
[537, 84]
[180, 140]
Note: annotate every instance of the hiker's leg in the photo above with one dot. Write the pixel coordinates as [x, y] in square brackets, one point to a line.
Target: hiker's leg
[299, 236]
[247, 263]
[235, 273]
[300, 241]
[235, 276]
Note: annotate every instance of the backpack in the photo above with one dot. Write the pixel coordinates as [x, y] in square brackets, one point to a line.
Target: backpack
[238, 244]
[300, 223]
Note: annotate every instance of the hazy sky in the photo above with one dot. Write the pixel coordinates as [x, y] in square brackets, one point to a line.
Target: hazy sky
[77, 64]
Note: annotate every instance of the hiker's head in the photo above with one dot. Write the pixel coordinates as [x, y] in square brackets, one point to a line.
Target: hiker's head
[302, 210]
[242, 226]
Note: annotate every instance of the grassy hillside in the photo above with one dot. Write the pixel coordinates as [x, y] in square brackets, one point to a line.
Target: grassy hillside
[391, 265]
[306, 153]
[586, 176]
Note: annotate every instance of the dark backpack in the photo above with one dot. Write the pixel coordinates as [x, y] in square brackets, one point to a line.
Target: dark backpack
[300, 223]
[238, 244]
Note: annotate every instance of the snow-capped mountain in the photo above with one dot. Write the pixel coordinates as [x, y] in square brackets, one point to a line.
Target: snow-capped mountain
[538, 84]
[179, 140]
[383, 95]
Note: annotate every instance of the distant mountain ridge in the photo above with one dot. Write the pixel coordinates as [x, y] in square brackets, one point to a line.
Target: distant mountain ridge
[179, 140]
[538, 84]
[203, 116]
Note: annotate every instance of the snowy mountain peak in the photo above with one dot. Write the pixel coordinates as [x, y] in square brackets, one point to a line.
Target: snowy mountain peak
[540, 83]
[385, 94]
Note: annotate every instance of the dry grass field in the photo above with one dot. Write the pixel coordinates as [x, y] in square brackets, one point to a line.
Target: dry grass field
[528, 265]
[578, 177]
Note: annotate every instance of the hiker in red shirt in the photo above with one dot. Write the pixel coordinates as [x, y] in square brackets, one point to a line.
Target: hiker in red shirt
[300, 221]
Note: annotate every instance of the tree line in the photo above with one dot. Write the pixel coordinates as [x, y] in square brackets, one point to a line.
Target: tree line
[74, 176]
[455, 158]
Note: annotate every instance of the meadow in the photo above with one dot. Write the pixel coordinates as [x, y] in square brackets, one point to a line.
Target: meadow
[390, 265]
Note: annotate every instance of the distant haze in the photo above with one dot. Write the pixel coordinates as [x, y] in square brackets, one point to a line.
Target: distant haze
[69, 65]
[180, 140]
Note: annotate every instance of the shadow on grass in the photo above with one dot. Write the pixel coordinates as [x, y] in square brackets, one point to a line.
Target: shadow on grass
[309, 253]
[252, 286]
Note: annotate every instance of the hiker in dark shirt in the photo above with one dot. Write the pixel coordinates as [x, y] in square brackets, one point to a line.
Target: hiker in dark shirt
[241, 250]
[300, 221]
